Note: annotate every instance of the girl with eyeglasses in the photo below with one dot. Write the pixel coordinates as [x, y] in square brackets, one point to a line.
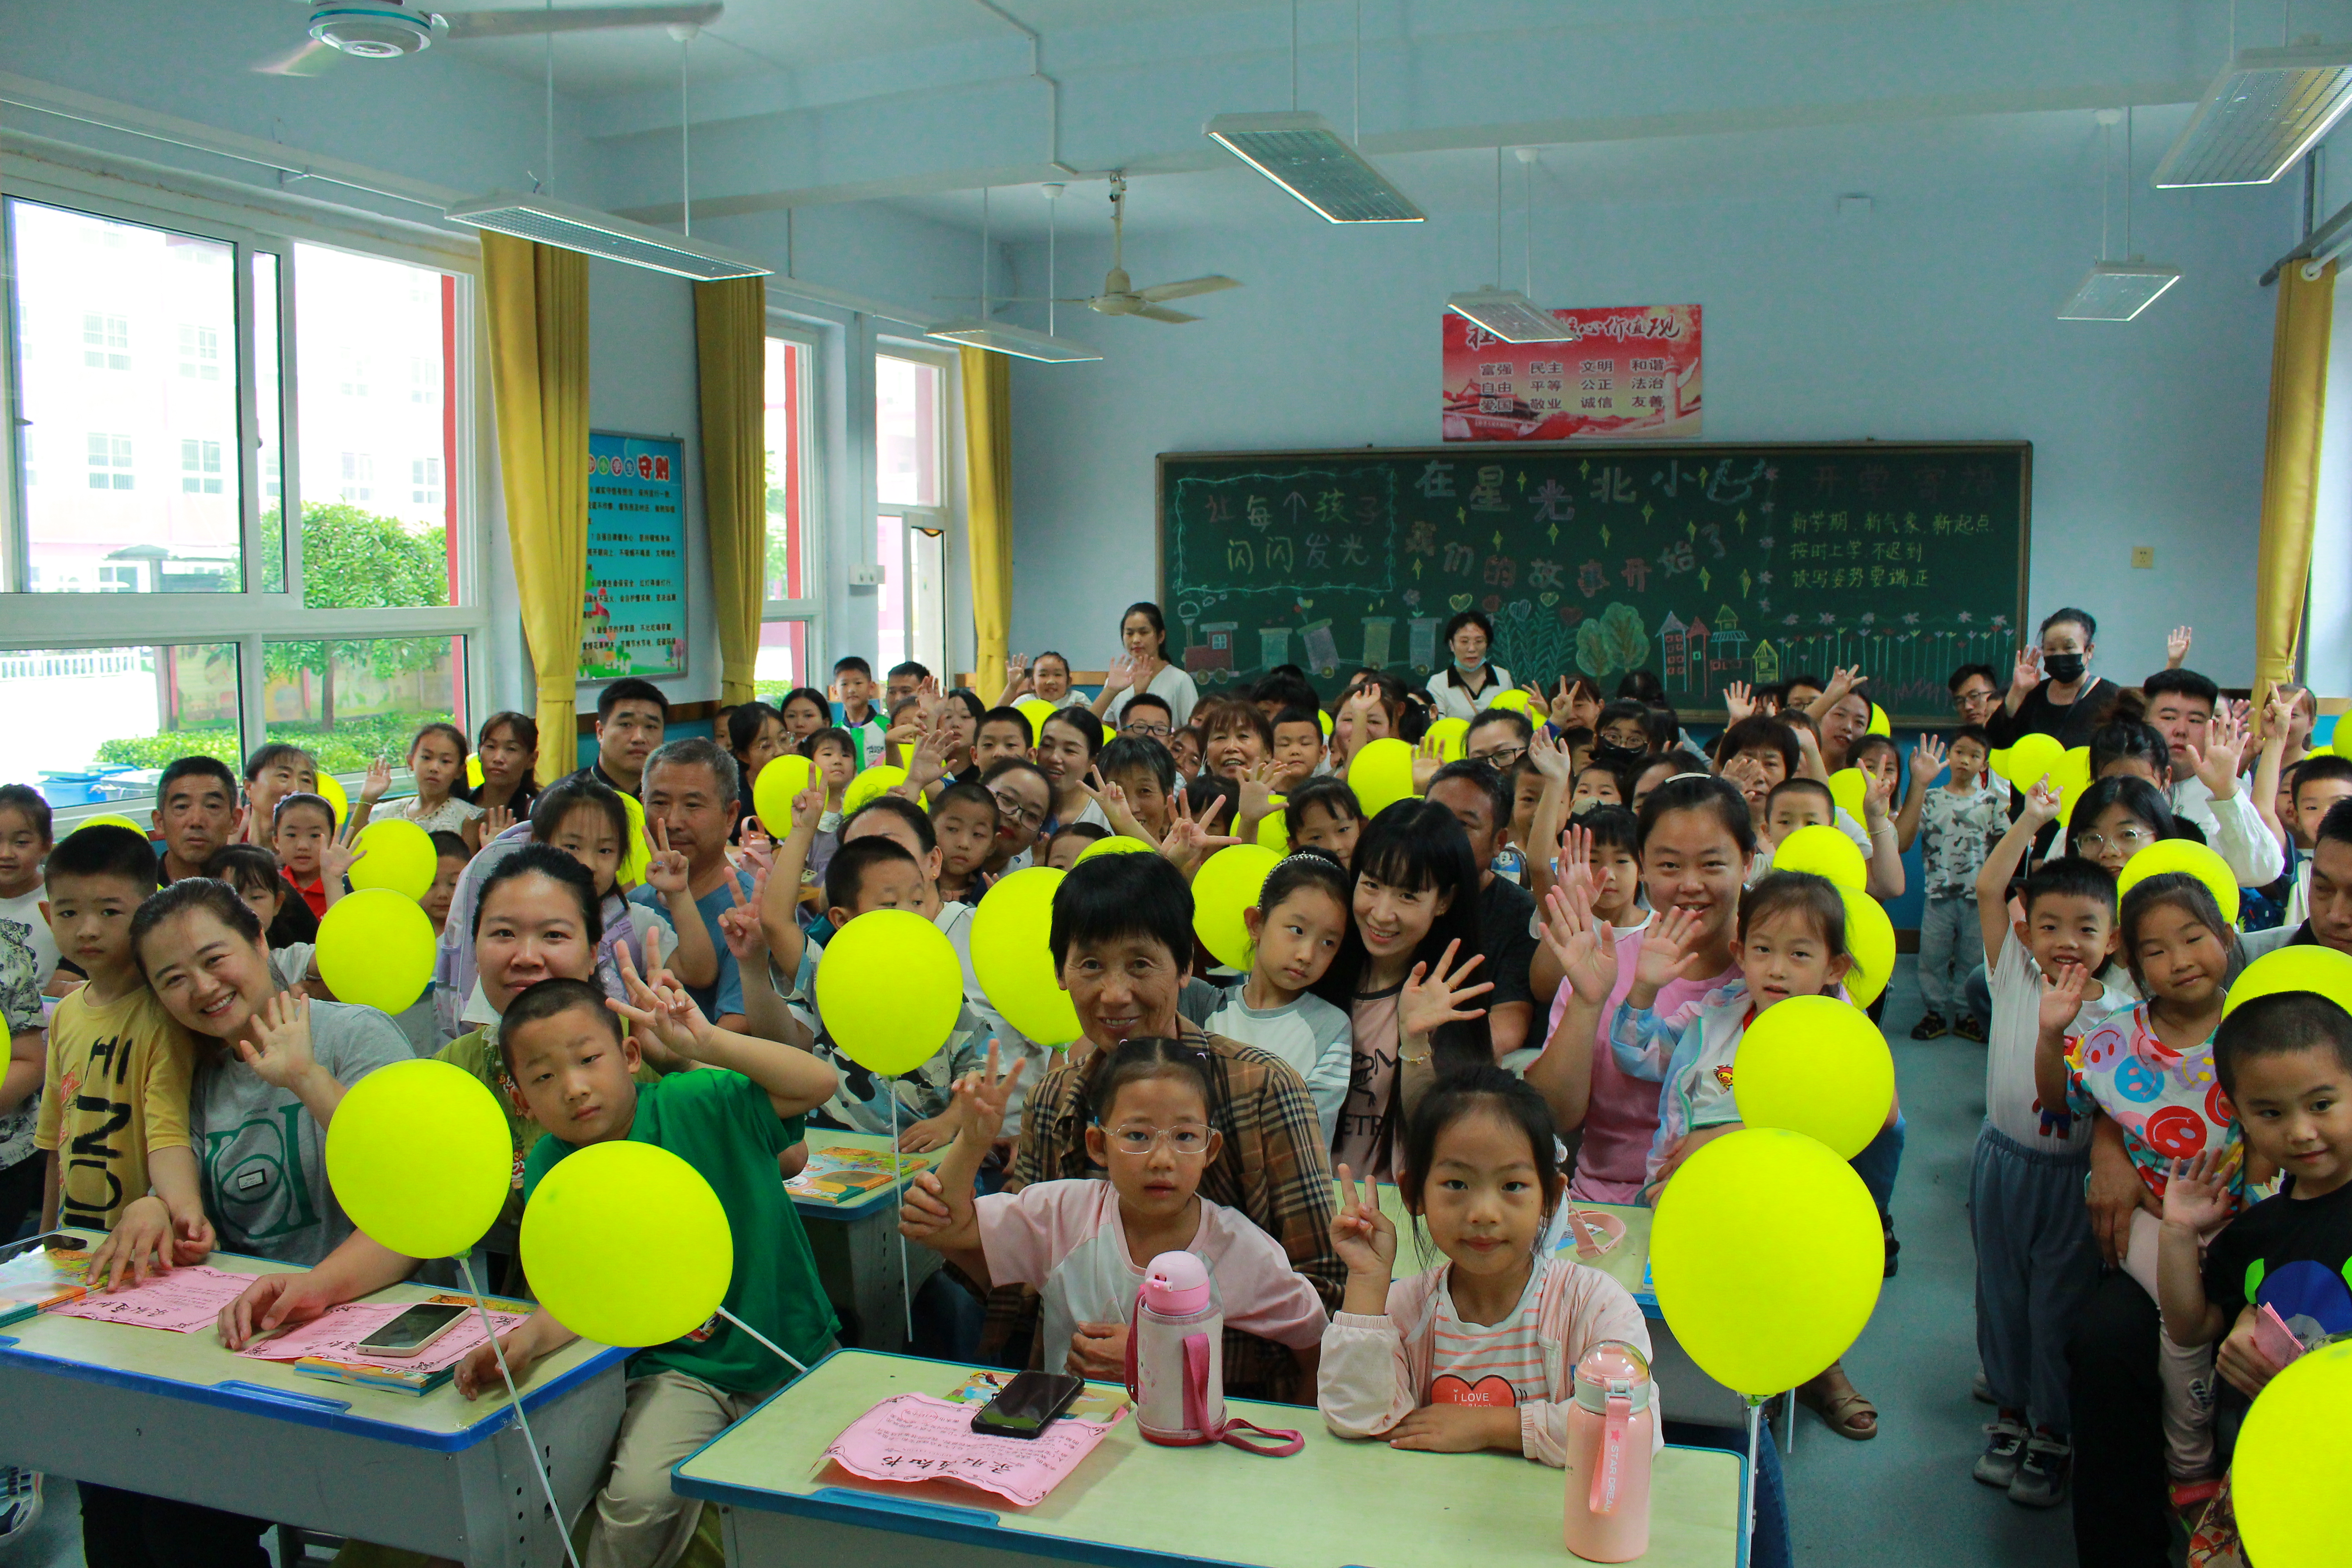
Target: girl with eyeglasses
[1084, 1243]
[2116, 818]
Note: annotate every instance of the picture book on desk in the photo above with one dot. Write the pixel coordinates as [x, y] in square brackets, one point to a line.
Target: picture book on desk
[843, 1174]
[41, 1278]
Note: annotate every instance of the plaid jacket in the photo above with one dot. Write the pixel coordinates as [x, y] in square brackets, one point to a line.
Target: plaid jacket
[1274, 1169]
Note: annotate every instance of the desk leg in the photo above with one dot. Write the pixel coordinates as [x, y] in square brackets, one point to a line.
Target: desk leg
[508, 1524]
[857, 1263]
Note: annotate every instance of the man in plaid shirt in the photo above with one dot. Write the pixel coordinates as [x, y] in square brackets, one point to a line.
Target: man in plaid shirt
[1122, 936]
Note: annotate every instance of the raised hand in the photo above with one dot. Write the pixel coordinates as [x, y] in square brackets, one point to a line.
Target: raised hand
[1669, 950]
[496, 819]
[2042, 803]
[2197, 1192]
[1364, 1237]
[1435, 997]
[982, 1096]
[1125, 671]
[1193, 839]
[1583, 946]
[2217, 761]
[1927, 760]
[378, 780]
[336, 858]
[2278, 714]
[2027, 673]
[1810, 746]
[1562, 707]
[2176, 648]
[1258, 786]
[1551, 758]
[660, 1008]
[741, 925]
[1877, 797]
[1575, 866]
[1738, 700]
[279, 1050]
[667, 869]
[2062, 996]
[1843, 681]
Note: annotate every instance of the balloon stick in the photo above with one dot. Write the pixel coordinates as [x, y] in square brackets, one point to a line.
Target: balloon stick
[562, 1525]
[1755, 1422]
[793, 1359]
[898, 1183]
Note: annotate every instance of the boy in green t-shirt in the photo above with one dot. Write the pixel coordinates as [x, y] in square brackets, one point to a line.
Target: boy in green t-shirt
[565, 1051]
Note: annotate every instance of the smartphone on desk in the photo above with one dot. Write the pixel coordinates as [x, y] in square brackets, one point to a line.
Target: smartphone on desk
[412, 1331]
[1026, 1406]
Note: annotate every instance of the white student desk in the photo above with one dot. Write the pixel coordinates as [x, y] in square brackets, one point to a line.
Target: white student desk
[1133, 1504]
[179, 1416]
[855, 1245]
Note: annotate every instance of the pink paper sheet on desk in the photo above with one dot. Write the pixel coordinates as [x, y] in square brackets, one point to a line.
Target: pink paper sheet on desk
[335, 1335]
[916, 1437]
[183, 1300]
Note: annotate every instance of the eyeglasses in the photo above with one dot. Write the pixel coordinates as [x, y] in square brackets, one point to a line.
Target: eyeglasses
[1185, 1137]
[1010, 804]
[2130, 840]
[1157, 732]
[1501, 757]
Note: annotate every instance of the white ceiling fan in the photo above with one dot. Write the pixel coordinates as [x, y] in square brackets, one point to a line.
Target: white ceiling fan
[389, 29]
[1120, 297]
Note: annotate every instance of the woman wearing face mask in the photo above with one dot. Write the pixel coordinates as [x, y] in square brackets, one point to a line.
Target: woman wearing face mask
[1468, 686]
[2052, 690]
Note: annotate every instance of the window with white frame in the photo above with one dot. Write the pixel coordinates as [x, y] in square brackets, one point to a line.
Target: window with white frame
[911, 515]
[792, 618]
[282, 593]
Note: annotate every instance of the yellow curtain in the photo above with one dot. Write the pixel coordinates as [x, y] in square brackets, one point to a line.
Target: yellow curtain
[988, 487]
[2291, 469]
[538, 299]
[730, 339]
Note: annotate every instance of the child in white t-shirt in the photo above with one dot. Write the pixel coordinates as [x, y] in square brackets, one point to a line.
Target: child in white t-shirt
[1295, 930]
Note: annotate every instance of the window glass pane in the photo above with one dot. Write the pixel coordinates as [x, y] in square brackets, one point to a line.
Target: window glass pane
[270, 459]
[928, 601]
[782, 662]
[97, 723]
[890, 596]
[125, 339]
[364, 702]
[787, 469]
[907, 431]
[373, 346]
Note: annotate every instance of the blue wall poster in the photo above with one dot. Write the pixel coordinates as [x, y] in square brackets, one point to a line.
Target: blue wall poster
[632, 603]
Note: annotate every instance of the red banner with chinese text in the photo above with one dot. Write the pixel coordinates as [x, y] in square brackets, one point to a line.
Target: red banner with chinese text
[1619, 372]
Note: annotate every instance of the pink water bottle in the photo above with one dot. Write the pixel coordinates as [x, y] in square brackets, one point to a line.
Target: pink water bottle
[1609, 1428]
[1178, 1343]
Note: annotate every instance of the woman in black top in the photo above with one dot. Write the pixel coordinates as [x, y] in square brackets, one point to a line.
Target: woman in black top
[2052, 691]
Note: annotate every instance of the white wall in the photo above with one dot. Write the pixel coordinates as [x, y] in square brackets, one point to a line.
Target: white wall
[1932, 318]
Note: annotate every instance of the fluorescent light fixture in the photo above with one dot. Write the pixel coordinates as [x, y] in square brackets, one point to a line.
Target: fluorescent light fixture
[1019, 341]
[593, 233]
[2117, 291]
[1509, 315]
[1307, 156]
[2265, 109]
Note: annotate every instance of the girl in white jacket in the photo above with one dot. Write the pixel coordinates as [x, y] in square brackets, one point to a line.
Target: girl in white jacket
[1480, 1351]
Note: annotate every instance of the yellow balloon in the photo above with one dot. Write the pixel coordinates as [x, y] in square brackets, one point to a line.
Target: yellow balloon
[1998, 761]
[1274, 828]
[889, 987]
[1817, 1066]
[375, 950]
[1034, 709]
[330, 790]
[1227, 883]
[877, 780]
[1824, 851]
[2189, 856]
[1879, 723]
[1516, 700]
[1324, 716]
[474, 770]
[1850, 787]
[394, 853]
[1451, 737]
[1381, 774]
[2320, 970]
[111, 819]
[1117, 843]
[2342, 742]
[2071, 776]
[637, 854]
[1760, 1298]
[420, 1157]
[2032, 756]
[1870, 939]
[1012, 953]
[626, 1244]
[773, 790]
[2292, 1470]
[1111, 732]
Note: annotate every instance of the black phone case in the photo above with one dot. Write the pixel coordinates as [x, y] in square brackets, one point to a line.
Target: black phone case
[979, 1423]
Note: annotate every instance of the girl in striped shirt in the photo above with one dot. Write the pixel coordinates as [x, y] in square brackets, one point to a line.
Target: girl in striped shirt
[1480, 1351]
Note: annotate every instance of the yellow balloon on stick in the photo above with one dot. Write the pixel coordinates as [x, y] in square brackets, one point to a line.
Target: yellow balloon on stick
[1879, 723]
[1850, 787]
[1824, 851]
[773, 792]
[890, 988]
[877, 780]
[1117, 843]
[2032, 756]
[2320, 970]
[2071, 776]
[330, 790]
[375, 950]
[2189, 858]
[626, 1244]
[395, 854]
[1381, 774]
[1035, 710]
[1450, 736]
[1759, 1302]
[2293, 1470]
[1274, 828]
[1013, 955]
[1870, 939]
[1516, 701]
[1227, 883]
[420, 1157]
[1817, 1066]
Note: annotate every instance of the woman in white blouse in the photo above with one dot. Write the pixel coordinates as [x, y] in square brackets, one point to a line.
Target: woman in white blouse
[1144, 667]
[1468, 686]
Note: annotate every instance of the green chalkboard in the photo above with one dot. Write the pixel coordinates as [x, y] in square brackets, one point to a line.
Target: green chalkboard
[1708, 565]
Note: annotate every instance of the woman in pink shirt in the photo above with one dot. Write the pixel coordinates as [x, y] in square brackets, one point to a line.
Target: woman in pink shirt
[1696, 842]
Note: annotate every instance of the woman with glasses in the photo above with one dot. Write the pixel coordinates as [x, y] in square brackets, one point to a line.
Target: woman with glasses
[1024, 797]
[2117, 818]
[1143, 667]
[1468, 685]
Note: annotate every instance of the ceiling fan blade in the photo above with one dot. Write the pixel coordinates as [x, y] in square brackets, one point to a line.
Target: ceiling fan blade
[530, 24]
[308, 60]
[1189, 287]
[1162, 313]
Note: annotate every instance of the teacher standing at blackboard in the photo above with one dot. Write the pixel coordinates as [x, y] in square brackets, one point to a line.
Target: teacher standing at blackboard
[1144, 667]
[1468, 686]
[2052, 690]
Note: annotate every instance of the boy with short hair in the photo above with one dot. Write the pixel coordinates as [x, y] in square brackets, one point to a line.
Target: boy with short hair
[2206, 790]
[1147, 714]
[1956, 826]
[24, 843]
[563, 1047]
[196, 812]
[1002, 732]
[1798, 803]
[2037, 1260]
[1298, 746]
[302, 831]
[854, 710]
[1062, 851]
[903, 681]
[2320, 780]
[631, 717]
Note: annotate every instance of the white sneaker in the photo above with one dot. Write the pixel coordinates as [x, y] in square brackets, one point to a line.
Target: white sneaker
[20, 1501]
